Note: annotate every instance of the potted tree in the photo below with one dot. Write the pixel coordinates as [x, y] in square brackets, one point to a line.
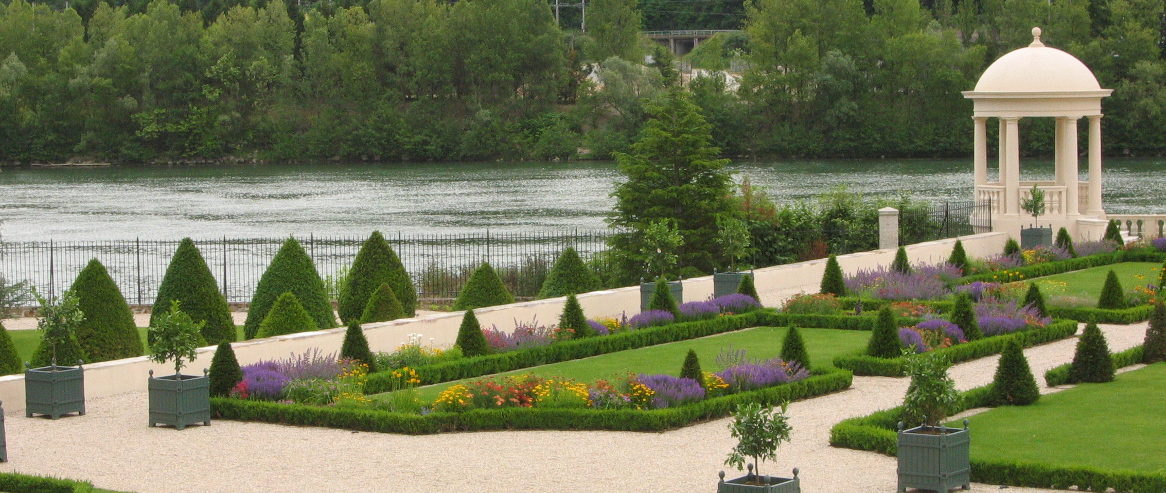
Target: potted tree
[51, 389]
[759, 431]
[661, 239]
[1035, 236]
[931, 456]
[177, 400]
[733, 238]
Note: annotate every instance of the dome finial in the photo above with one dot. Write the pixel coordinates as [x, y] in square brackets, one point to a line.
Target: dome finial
[1036, 38]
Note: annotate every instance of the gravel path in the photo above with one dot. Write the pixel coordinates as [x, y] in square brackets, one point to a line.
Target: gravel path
[113, 447]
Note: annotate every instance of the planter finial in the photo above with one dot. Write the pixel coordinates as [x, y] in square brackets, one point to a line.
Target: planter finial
[900, 426]
[151, 373]
[965, 423]
[796, 472]
[722, 476]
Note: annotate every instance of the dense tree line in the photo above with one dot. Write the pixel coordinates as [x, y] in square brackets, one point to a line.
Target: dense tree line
[499, 79]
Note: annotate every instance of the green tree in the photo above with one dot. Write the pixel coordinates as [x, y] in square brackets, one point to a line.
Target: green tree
[572, 318]
[832, 278]
[175, 337]
[375, 264]
[901, 264]
[1035, 299]
[1154, 346]
[58, 322]
[355, 346]
[382, 306]
[1091, 360]
[107, 330]
[747, 288]
[9, 360]
[884, 339]
[569, 275]
[691, 368]
[483, 288]
[286, 316]
[1014, 384]
[225, 371]
[963, 314]
[1113, 233]
[614, 26]
[793, 349]
[759, 430]
[1064, 241]
[470, 338]
[1112, 294]
[662, 298]
[1011, 247]
[291, 270]
[189, 280]
[959, 257]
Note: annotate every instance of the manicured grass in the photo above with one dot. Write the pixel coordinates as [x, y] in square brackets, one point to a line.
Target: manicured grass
[1084, 286]
[27, 340]
[759, 343]
[1114, 425]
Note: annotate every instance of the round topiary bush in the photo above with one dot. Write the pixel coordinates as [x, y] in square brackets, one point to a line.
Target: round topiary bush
[572, 318]
[225, 371]
[286, 316]
[901, 264]
[355, 347]
[1112, 294]
[691, 368]
[1091, 360]
[1014, 384]
[107, 330]
[375, 264]
[1154, 346]
[959, 257]
[290, 271]
[569, 275]
[9, 359]
[832, 282]
[793, 349]
[484, 288]
[662, 299]
[1035, 299]
[963, 314]
[470, 338]
[382, 306]
[189, 280]
[884, 339]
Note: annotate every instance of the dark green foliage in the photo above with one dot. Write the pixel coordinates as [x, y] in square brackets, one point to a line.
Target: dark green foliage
[662, 298]
[959, 257]
[484, 288]
[963, 314]
[375, 264]
[572, 318]
[1011, 247]
[901, 264]
[1155, 342]
[286, 316]
[884, 339]
[291, 270]
[1123, 316]
[1113, 233]
[189, 280]
[569, 275]
[1037, 300]
[1065, 241]
[832, 278]
[107, 331]
[1112, 294]
[793, 349]
[355, 347]
[1091, 361]
[225, 371]
[9, 361]
[1121, 359]
[747, 287]
[382, 306]
[21, 483]
[1162, 280]
[1014, 384]
[470, 338]
[691, 368]
[69, 352]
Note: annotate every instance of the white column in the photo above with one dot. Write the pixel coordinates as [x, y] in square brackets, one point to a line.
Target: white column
[1001, 160]
[1012, 164]
[980, 152]
[1094, 199]
[1069, 157]
[1058, 152]
[888, 228]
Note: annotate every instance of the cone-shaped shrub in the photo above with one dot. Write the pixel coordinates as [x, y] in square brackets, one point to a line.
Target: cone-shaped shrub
[470, 338]
[572, 318]
[832, 278]
[107, 331]
[484, 288]
[382, 306]
[287, 316]
[1037, 300]
[375, 264]
[189, 280]
[964, 315]
[1154, 347]
[1112, 295]
[291, 270]
[662, 299]
[9, 360]
[901, 264]
[1011, 247]
[1113, 233]
[793, 349]
[884, 339]
[1091, 361]
[225, 371]
[691, 368]
[748, 288]
[1065, 242]
[569, 275]
[959, 257]
[355, 347]
[1014, 384]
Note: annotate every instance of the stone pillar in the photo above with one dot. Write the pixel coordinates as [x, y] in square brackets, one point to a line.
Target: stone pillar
[1012, 163]
[1094, 199]
[888, 228]
[1058, 151]
[1001, 163]
[980, 152]
[1071, 171]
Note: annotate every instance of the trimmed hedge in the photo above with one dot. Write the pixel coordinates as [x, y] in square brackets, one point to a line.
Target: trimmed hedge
[1079, 263]
[9, 360]
[1060, 375]
[569, 275]
[286, 316]
[189, 280]
[483, 288]
[875, 432]
[11, 482]
[1131, 315]
[524, 418]
[375, 264]
[382, 306]
[107, 331]
[862, 364]
[290, 270]
[832, 280]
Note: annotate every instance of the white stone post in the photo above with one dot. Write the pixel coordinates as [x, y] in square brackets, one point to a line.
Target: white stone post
[1012, 160]
[888, 228]
[980, 152]
[1058, 151]
[1071, 171]
[1095, 166]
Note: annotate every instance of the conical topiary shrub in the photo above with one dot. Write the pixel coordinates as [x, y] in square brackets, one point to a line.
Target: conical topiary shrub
[382, 306]
[662, 299]
[286, 316]
[225, 371]
[484, 288]
[291, 270]
[691, 368]
[569, 275]
[470, 338]
[9, 359]
[793, 349]
[959, 257]
[1065, 242]
[964, 315]
[1113, 234]
[1011, 247]
[832, 278]
[355, 347]
[1112, 294]
[572, 318]
[375, 264]
[1091, 361]
[189, 280]
[884, 339]
[901, 264]
[1035, 299]
[748, 288]
[1014, 384]
[107, 330]
[1154, 346]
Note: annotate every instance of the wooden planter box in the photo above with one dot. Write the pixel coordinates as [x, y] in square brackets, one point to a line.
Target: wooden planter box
[934, 458]
[772, 484]
[647, 288]
[180, 400]
[727, 282]
[1033, 237]
[54, 390]
[3, 439]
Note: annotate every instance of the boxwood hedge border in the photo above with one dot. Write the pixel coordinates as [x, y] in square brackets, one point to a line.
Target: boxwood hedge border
[24, 483]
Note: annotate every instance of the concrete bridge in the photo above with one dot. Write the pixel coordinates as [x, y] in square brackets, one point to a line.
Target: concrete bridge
[680, 42]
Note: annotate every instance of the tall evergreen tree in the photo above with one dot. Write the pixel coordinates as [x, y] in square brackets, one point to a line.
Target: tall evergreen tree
[1091, 361]
[382, 306]
[286, 316]
[963, 314]
[959, 257]
[572, 318]
[1014, 384]
[569, 275]
[225, 371]
[1112, 294]
[355, 346]
[691, 368]
[793, 349]
[470, 338]
[884, 339]
[107, 331]
[375, 264]
[9, 360]
[1065, 242]
[1037, 300]
[901, 264]
[748, 288]
[291, 270]
[1154, 346]
[189, 280]
[483, 288]
[662, 299]
[832, 281]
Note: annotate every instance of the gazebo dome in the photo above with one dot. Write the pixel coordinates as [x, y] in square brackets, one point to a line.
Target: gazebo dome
[1037, 68]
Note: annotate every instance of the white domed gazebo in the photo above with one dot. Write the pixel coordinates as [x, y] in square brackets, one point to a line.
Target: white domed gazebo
[1039, 81]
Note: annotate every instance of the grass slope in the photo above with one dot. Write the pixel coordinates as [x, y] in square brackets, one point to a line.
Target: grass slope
[1085, 285]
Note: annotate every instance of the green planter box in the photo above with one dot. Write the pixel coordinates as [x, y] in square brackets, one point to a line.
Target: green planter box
[180, 400]
[1034, 237]
[54, 390]
[3, 439]
[934, 458]
[647, 288]
[727, 282]
[770, 484]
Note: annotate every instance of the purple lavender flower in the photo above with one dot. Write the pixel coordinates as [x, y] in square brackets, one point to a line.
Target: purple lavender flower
[910, 337]
[976, 289]
[1159, 243]
[736, 303]
[525, 334]
[1003, 262]
[651, 318]
[991, 325]
[748, 376]
[699, 310]
[598, 327]
[264, 381]
[940, 325]
[1087, 248]
[312, 363]
[671, 391]
[926, 282]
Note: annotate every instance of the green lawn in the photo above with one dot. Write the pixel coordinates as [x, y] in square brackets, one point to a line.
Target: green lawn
[27, 340]
[1114, 425]
[1083, 287]
[760, 343]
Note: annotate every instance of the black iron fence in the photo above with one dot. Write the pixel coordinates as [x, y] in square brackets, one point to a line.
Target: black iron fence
[945, 220]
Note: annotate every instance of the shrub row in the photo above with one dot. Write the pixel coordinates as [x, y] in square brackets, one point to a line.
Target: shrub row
[1067, 265]
[1060, 375]
[819, 321]
[876, 432]
[875, 304]
[1105, 315]
[524, 418]
[862, 364]
[1040, 475]
[23, 483]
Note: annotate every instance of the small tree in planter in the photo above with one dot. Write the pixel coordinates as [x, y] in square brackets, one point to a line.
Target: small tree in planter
[1034, 205]
[178, 399]
[931, 456]
[50, 389]
[759, 431]
[661, 241]
[733, 238]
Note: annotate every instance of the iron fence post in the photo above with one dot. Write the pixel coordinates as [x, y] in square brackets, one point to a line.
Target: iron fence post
[138, 265]
[224, 281]
[52, 269]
